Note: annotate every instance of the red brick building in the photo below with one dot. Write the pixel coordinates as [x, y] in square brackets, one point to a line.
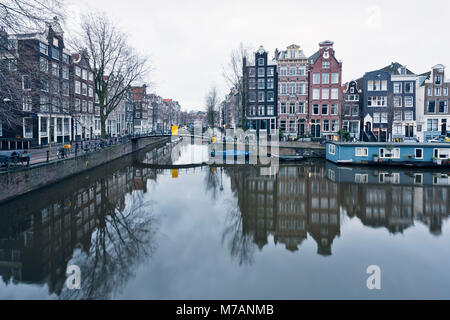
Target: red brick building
[325, 77]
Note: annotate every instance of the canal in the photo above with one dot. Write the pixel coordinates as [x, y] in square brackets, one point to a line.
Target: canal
[308, 232]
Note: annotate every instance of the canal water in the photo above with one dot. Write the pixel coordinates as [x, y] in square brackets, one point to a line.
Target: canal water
[310, 231]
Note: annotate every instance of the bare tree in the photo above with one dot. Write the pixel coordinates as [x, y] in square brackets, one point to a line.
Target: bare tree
[114, 63]
[28, 15]
[233, 75]
[212, 101]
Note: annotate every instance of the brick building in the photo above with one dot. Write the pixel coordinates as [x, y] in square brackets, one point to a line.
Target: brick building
[325, 80]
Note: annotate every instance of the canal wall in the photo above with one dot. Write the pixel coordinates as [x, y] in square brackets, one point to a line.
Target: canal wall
[15, 183]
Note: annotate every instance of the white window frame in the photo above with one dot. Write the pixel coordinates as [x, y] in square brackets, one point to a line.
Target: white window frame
[361, 152]
[332, 149]
[415, 153]
[394, 153]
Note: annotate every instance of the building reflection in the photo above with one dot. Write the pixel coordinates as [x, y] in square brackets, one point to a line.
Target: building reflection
[40, 231]
[312, 198]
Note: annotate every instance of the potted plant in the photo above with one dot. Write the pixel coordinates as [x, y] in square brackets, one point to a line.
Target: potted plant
[375, 157]
[408, 157]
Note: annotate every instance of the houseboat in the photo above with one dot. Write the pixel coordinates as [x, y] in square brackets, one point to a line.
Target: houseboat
[382, 153]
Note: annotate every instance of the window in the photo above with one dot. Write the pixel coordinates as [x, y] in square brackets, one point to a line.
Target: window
[391, 154]
[251, 84]
[398, 116]
[324, 109]
[377, 101]
[301, 88]
[91, 76]
[409, 102]
[335, 78]
[65, 89]
[270, 96]
[77, 105]
[261, 72]
[283, 107]
[261, 110]
[376, 117]
[43, 126]
[55, 53]
[397, 128]
[325, 94]
[26, 82]
[261, 96]
[283, 88]
[84, 89]
[334, 109]
[260, 61]
[283, 71]
[397, 87]
[398, 101]
[334, 94]
[27, 103]
[84, 74]
[292, 108]
[43, 64]
[292, 89]
[443, 108]
[408, 115]
[418, 153]
[251, 96]
[65, 58]
[301, 107]
[270, 83]
[325, 78]
[65, 72]
[12, 44]
[78, 71]
[12, 64]
[325, 65]
[383, 117]
[292, 71]
[431, 106]
[28, 128]
[334, 125]
[44, 85]
[326, 125]
[432, 125]
[261, 84]
[283, 125]
[332, 149]
[43, 48]
[55, 69]
[445, 92]
[430, 92]
[409, 87]
[361, 152]
[270, 110]
[301, 71]
[316, 94]
[316, 78]
[315, 109]
[292, 126]
[44, 103]
[77, 87]
[270, 71]
[437, 79]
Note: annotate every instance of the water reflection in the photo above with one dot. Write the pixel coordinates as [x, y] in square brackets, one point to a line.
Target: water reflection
[99, 221]
[105, 221]
[310, 199]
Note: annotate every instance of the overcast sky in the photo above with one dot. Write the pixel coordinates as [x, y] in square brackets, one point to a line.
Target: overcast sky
[189, 42]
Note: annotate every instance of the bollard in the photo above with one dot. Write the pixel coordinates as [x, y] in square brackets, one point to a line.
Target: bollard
[48, 155]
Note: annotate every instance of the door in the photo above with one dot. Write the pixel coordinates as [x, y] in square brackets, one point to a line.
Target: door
[444, 127]
[301, 129]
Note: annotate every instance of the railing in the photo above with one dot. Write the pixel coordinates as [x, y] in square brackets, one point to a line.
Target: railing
[60, 152]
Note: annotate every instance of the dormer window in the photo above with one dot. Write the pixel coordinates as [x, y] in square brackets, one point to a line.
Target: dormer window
[326, 55]
[292, 54]
[352, 90]
[261, 61]
[402, 70]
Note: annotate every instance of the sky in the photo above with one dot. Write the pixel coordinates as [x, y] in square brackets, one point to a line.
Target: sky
[189, 42]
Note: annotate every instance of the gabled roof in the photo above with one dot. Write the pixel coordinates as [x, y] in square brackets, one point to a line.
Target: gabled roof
[394, 69]
[314, 57]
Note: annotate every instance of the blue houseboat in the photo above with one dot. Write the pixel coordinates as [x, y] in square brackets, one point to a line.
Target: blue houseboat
[382, 153]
